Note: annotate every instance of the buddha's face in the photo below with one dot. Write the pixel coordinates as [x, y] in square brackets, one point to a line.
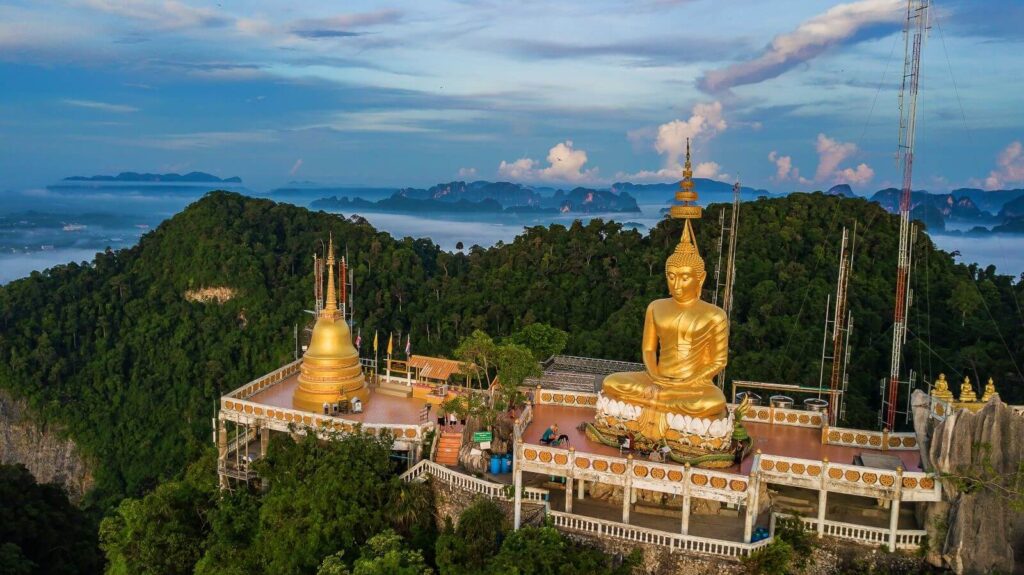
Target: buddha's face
[684, 283]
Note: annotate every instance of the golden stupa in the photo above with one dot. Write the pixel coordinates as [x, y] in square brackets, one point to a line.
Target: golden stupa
[330, 370]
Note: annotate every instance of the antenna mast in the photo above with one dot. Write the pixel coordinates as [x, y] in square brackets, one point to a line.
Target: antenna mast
[840, 332]
[730, 263]
[914, 29]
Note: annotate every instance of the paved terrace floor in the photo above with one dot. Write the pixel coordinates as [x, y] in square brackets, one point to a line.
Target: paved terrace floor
[783, 440]
[379, 408]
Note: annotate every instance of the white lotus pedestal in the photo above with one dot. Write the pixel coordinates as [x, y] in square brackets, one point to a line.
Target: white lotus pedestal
[701, 442]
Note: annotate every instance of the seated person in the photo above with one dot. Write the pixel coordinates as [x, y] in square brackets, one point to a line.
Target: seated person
[551, 436]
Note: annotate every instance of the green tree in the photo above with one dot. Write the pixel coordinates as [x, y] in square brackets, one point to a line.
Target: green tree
[468, 547]
[515, 364]
[40, 530]
[544, 551]
[541, 339]
[479, 349]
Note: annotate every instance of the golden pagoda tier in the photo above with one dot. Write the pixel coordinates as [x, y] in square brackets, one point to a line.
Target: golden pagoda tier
[674, 402]
[330, 371]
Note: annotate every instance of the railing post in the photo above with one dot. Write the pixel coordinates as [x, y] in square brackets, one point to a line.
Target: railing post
[885, 439]
[751, 509]
[686, 499]
[517, 471]
[627, 489]
[569, 479]
[823, 497]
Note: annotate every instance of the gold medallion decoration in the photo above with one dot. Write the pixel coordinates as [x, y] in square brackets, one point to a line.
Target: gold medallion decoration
[869, 478]
[927, 483]
[861, 439]
[259, 411]
[852, 475]
[561, 459]
[737, 485]
[782, 466]
[557, 398]
[767, 464]
[582, 463]
[675, 476]
[804, 419]
[640, 471]
[545, 456]
[698, 479]
[718, 482]
[886, 480]
[570, 399]
[618, 468]
[816, 420]
[894, 442]
[600, 465]
[909, 482]
[833, 436]
[270, 413]
[791, 418]
[779, 416]
[410, 433]
[813, 470]
[847, 437]
[835, 473]
[798, 468]
[545, 397]
[875, 441]
[658, 473]
[909, 441]
[530, 454]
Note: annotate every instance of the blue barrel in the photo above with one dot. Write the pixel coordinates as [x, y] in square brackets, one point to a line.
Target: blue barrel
[495, 464]
[506, 464]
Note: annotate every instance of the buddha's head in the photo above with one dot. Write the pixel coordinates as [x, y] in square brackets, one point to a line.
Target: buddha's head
[684, 270]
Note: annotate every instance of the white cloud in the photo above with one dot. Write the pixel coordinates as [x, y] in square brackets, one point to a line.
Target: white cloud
[101, 106]
[831, 153]
[704, 123]
[295, 167]
[861, 175]
[839, 25]
[467, 173]
[565, 164]
[1011, 167]
[166, 14]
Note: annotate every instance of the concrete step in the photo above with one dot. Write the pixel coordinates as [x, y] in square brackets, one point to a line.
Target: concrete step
[394, 389]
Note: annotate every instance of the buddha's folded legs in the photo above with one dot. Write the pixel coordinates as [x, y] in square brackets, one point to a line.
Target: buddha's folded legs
[639, 388]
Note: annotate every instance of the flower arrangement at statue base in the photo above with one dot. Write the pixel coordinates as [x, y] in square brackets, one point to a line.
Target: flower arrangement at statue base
[700, 442]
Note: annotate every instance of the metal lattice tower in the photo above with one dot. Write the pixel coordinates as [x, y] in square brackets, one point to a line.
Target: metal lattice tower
[914, 30]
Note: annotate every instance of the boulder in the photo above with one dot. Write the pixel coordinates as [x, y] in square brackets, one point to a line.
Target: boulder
[976, 531]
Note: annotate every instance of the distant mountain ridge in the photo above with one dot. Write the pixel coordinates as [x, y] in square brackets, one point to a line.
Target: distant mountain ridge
[191, 177]
[492, 197]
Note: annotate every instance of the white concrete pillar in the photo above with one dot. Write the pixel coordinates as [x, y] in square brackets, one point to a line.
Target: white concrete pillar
[264, 441]
[580, 484]
[568, 494]
[627, 490]
[750, 511]
[686, 513]
[894, 521]
[222, 452]
[822, 507]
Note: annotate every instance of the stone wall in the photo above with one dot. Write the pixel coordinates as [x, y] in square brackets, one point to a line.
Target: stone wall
[658, 560]
[450, 501]
[49, 456]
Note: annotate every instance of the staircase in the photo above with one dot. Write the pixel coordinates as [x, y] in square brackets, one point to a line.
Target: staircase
[448, 446]
[394, 388]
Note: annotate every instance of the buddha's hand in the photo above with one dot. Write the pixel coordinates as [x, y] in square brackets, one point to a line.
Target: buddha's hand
[651, 391]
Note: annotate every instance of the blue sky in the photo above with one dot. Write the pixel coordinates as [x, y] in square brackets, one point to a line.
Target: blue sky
[784, 94]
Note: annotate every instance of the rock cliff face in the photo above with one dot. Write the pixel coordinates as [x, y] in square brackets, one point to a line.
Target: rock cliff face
[977, 530]
[50, 457]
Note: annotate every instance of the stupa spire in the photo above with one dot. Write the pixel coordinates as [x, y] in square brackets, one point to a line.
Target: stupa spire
[332, 294]
[686, 210]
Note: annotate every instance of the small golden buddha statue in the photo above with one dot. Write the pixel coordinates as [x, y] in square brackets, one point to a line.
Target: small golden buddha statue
[941, 389]
[990, 391]
[685, 340]
[967, 394]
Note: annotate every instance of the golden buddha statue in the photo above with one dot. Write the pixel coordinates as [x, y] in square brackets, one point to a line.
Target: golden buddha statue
[967, 394]
[685, 340]
[330, 370]
[941, 389]
[990, 391]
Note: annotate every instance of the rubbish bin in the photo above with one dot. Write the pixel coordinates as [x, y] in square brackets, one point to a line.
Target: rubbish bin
[496, 464]
[506, 464]
[781, 401]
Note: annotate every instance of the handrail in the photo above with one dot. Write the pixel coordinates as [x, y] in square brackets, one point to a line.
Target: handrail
[492, 490]
[905, 538]
[880, 440]
[674, 541]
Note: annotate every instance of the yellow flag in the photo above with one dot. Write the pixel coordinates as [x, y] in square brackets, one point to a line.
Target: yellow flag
[374, 341]
[391, 342]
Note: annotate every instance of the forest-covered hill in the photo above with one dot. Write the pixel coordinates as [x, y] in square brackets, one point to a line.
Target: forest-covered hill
[115, 353]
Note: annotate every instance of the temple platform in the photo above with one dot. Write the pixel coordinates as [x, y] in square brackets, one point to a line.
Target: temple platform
[771, 439]
[380, 408]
